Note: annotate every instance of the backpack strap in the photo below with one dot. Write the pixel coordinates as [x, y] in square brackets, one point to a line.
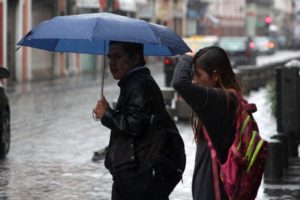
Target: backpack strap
[215, 162]
[249, 107]
[243, 106]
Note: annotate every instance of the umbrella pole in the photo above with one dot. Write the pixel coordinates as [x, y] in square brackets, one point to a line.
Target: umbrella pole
[102, 85]
[102, 75]
[103, 70]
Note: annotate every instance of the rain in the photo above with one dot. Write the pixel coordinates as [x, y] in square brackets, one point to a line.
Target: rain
[52, 95]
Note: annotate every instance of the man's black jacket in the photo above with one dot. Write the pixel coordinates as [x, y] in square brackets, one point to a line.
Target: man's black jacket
[140, 98]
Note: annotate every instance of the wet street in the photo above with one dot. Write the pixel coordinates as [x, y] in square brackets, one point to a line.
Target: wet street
[54, 137]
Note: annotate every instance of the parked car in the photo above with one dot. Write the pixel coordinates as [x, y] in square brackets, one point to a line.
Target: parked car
[195, 43]
[4, 116]
[264, 45]
[169, 67]
[241, 50]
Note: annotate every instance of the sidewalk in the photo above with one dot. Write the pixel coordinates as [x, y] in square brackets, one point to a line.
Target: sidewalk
[78, 81]
[289, 187]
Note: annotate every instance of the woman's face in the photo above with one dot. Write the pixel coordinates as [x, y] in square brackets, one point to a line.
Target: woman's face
[202, 78]
[119, 61]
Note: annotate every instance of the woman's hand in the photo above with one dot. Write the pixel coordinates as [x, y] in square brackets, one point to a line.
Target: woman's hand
[191, 53]
[100, 108]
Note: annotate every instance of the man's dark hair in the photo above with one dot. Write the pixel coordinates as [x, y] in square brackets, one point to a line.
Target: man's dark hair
[132, 49]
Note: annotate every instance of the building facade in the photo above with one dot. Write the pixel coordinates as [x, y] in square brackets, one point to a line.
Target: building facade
[26, 64]
[230, 18]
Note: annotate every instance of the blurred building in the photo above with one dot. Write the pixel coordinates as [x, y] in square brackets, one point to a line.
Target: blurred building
[21, 15]
[18, 21]
[169, 13]
[121, 7]
[186, 17]
[283, 21]
[196, 15]
[296, 30]
[146, 10]
[229, 18]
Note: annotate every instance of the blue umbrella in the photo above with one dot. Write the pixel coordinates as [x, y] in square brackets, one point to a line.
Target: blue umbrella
[90, 33]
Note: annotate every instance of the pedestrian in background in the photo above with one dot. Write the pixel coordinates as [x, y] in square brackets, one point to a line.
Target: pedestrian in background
[208, 84]
[139, 103]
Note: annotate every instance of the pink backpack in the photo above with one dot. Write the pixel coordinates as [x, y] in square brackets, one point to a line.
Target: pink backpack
[242, 172]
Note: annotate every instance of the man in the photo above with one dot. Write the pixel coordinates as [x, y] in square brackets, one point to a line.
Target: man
[129, 156]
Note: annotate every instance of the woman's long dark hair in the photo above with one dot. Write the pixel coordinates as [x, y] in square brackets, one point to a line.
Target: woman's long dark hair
[214, 59]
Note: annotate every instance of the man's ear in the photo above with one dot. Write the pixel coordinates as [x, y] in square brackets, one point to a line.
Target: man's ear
[135, 59]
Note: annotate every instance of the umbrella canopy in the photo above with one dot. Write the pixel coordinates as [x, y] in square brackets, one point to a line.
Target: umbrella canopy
[91, 33]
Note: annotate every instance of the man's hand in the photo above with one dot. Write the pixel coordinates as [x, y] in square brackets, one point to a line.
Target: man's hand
[100, 108]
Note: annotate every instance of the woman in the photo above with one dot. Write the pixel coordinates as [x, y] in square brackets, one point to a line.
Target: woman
[208, 84]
